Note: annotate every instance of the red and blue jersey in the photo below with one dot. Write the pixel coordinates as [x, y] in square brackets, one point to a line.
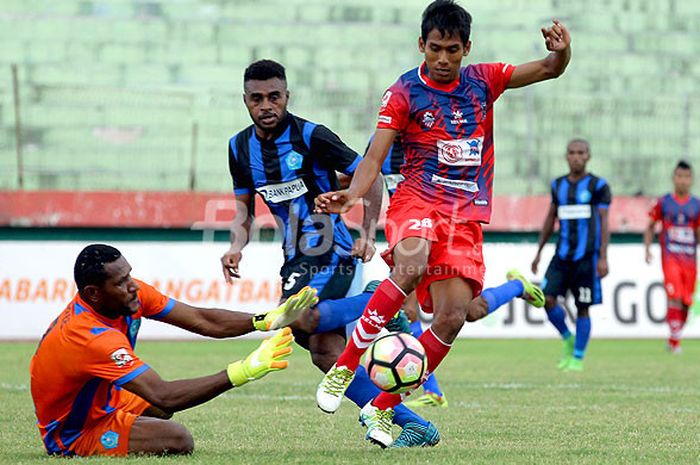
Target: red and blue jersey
[446, 132]
[680, 218]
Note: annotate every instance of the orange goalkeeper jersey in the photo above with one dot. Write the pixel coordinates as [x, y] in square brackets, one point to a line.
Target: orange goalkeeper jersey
[81, 363]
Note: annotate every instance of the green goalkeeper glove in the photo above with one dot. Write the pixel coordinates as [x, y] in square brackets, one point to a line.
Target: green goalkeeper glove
[266, 358]
[288, 312]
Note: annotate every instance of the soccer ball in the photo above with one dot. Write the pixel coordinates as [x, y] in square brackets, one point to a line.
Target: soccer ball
[396, 362]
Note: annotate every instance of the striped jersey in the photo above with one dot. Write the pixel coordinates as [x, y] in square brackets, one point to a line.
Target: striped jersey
[446, 132]
[578, 207]
[288, 173]
[680, 218]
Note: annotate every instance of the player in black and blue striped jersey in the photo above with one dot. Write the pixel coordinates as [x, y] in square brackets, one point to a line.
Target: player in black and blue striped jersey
[288, 161]
[580, 201]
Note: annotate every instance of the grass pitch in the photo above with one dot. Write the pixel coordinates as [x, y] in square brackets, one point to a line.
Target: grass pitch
[634, 404]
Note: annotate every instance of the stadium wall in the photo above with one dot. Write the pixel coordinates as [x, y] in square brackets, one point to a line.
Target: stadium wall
[36, 283]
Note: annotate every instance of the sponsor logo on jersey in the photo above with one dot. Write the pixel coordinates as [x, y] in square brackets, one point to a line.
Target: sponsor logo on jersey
[384, 119]
[682, 234]
[460, 152]
[574, 212]
[681, 249]
[294, 160]
[458, 118]
[481, 202]
[392, 181]
[468, 186]
[121, 358]
[385, 98]
[428, 120]
[276, 193]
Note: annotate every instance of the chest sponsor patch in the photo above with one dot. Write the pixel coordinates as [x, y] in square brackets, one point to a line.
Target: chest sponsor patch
[468, 186]
[681, 234]
[460, 152]
[282, 192]
[574, 212]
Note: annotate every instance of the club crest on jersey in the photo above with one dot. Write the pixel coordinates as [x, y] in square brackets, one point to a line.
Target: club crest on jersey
[294, 160]
[428, 120]
[584, 197]
[134, 328]
[460, 152]
[458, 118]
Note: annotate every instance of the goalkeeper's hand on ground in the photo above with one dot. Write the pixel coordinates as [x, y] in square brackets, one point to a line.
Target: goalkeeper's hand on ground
[288, 312]
[270, 356]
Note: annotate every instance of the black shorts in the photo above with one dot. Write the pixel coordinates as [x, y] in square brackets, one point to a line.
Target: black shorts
[329, 273]
[580, 277]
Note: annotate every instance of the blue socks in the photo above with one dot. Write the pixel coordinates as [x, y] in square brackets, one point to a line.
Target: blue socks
[362, 390]
[430, 384]
[337, 313]
[583, 334]
[497, 296]
[557, 317]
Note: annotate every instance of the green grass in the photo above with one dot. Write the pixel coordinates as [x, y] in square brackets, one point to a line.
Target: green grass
[634, 404]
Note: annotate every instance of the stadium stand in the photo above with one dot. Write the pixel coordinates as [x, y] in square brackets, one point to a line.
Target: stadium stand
[133, 95]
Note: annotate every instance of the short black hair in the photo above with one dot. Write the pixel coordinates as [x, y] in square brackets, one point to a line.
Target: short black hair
[448, 18]
[683, 165]
[90, 264]
[262, 70]
[579, 140]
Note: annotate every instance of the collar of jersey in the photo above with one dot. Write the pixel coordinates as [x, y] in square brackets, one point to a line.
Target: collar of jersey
[679, 199]
[423, 76]
[86, 307]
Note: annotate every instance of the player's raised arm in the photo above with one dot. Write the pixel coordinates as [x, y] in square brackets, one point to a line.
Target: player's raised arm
[558, 41]
[363, 179]
[545, 234]
[240, 235]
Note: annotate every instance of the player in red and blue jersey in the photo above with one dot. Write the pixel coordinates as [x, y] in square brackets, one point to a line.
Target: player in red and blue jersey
[288, 161]
[679, 214]
[94, 396]
[443, 113]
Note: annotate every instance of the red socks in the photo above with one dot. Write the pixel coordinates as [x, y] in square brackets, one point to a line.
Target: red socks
[676, 318]
[435, 350]
[381, 308]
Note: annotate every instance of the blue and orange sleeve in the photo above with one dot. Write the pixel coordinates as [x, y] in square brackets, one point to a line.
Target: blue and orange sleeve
[154, 304]
[109, 356]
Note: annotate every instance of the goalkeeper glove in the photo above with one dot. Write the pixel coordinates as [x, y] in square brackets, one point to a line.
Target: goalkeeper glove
[288, 312]
[266, 358]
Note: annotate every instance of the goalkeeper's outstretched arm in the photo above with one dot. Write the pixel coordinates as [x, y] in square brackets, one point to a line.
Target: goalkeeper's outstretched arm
[218, 323]
[173, 396]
